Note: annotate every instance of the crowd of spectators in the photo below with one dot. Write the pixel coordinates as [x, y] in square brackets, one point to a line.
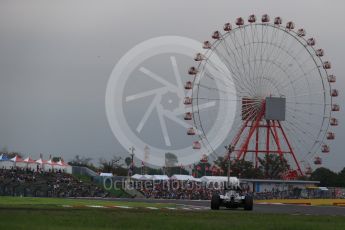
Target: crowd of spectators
[200, 191]
[294, 193]
[177, 190]
[299, 193]
[28, 182]
[56, 183]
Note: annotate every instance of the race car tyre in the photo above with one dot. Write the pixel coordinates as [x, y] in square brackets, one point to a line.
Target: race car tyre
[248, 203]
[215, 202]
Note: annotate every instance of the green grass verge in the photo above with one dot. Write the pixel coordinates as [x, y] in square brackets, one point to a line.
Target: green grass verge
[31, 202]
[118, 193]
[48, 214]
[51, 219]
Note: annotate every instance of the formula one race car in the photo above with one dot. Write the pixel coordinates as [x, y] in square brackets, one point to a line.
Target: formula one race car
[232, 197]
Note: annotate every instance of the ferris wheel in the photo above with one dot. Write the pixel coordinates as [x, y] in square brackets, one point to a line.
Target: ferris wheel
[280, 88]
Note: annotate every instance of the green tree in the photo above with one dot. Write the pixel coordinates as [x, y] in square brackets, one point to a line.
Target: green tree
[176, 170]
[56, 159]
[203, 167]
[153, 171]
[242, 168]
[170, 160]
[326, 177]
[273, 166]
[113, 165]
[221, 163]
[4, 150]
[80, 161]
[128, 161]
[341, 178]
[245, 169]
[83, 162]
[13, 154]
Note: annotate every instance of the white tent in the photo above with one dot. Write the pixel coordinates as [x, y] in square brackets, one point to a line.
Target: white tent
[61, 165]
[136, 176]
[145, 177]
[220, 179]
[5, 162]
[106, 174]
[160, 177]
[18, 162]
[196, 179]
[141, 177]
[41, 163]
[30, 163]
[182, 177]
[49, 165]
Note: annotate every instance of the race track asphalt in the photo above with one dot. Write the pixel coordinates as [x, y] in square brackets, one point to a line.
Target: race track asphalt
[259, 208]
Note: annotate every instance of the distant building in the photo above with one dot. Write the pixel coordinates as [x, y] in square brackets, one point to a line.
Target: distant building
[263, 185]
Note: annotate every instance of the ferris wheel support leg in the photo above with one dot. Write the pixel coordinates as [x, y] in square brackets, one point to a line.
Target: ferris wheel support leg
[237, 138]
[276, 139]
[244, 147]
[267, 146]
[291, 150]
[256, 148]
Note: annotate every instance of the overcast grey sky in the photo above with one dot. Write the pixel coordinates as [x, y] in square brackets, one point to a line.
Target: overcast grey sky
[56, 58]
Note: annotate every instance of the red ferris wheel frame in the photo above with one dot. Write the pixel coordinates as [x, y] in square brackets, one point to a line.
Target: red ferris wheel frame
[261, 135]
[272, 128]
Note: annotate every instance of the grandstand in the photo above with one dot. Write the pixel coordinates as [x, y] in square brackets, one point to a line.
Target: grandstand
[46, 178]
[27, 182]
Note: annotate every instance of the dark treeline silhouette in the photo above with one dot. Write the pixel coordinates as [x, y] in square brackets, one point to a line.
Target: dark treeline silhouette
[268, 167]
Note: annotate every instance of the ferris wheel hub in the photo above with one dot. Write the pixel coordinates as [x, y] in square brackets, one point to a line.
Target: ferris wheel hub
[170, 101]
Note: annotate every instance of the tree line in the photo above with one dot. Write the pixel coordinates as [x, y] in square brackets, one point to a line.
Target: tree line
[268, 167]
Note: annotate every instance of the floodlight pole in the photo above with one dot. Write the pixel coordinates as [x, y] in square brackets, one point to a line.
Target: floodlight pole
[132, 149]
[230, 149]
